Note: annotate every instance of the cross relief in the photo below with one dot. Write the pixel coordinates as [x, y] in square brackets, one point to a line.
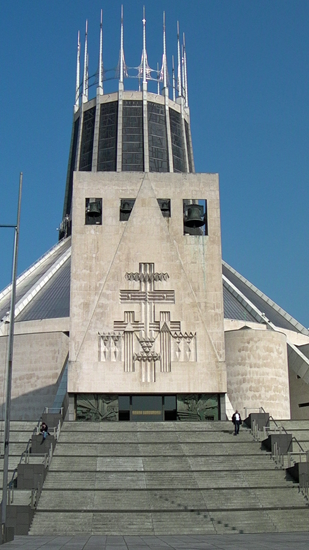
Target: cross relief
[153, 337]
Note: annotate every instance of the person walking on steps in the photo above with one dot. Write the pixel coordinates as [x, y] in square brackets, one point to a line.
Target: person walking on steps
[236, 419]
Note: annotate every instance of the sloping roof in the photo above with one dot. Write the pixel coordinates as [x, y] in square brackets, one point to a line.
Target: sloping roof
[32, 285]
[53, 300]
[249, 295]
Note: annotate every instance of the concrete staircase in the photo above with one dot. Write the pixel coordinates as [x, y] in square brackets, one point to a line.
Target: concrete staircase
[165, 478]
[20, 433]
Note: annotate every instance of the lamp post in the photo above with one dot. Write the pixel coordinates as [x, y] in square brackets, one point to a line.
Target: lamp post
[8, 378]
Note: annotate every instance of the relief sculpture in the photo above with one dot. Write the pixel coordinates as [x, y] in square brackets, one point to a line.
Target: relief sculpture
[153, 340]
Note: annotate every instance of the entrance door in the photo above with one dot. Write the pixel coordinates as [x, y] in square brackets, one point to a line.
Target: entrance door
[147, 408]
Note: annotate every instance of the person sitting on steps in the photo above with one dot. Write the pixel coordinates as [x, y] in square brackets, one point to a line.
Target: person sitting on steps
[44, 431]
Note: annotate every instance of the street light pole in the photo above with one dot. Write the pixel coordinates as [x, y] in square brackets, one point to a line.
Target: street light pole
[8, 377]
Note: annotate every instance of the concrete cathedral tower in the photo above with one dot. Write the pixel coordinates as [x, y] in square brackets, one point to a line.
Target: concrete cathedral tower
[133, 315]
[146, 330]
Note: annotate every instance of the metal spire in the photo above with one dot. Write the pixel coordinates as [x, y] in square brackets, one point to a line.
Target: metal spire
[144, 55]
[101, 56]
[174, 83]
[179, 64]
[182, 71]
[158, 79]
[185, 70]
[164, 55]
[76, 106]
[85, 79]
[121, 58]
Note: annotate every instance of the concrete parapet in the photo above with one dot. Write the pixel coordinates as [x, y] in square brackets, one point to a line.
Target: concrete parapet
[261, 420]
[29, 476]
[39, 447]
[19, 519]
[283, 440]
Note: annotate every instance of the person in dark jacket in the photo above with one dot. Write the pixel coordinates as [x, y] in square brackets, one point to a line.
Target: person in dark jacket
[236, 419]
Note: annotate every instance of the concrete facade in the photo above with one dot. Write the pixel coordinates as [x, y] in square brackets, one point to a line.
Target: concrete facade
[143, 279]
[37, 365]
[257, 371]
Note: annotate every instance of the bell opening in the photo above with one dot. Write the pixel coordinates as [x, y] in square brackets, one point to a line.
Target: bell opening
[195, 217]
[93, 211]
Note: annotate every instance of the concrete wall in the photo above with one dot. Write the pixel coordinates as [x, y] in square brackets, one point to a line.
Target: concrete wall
[191, 294]
[37, 364]
[299, 394]
[257, 371]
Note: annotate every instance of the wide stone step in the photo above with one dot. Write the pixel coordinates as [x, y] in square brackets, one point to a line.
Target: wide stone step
[126, 523]
[145, 426]
[20, 426]
[291, 424]
[17, 448]
[170, 499]
[158, 463]
[169, 523]
[165, 479]
[18, 437]
[209, 437]
[156, 449]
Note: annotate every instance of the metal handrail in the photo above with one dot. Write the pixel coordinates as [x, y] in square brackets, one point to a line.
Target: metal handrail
[277, 455]
[47, 457]
[300, 454]
[303, 484]
[260, 409]
[53, 410]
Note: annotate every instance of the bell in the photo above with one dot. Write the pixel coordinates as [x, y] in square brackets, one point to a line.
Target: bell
[164, 205]
[94, 209]
[195, 216]
[126, 205]
[193, 230]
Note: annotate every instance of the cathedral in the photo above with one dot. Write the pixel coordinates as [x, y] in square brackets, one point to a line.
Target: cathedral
[133, 315]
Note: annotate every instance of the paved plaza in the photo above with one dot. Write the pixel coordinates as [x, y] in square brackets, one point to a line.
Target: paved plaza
[271, 541]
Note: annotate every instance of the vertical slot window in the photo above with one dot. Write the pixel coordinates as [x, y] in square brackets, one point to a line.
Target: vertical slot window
[158, 157]
[107, 137]
[177, 141]
[132, 137]
[85, 163]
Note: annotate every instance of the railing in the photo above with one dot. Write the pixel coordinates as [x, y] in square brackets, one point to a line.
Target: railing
[258, 409]
[277, 455]
[25, 458]
[54, 410]
[35, 496]
[255, 430]
[303, 483]
[277, 428]
[300, 454]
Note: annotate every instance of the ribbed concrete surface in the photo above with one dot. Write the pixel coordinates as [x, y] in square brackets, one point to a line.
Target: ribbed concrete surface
[164, 479]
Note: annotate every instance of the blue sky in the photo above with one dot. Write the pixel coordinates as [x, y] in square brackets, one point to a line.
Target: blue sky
[248, 77]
